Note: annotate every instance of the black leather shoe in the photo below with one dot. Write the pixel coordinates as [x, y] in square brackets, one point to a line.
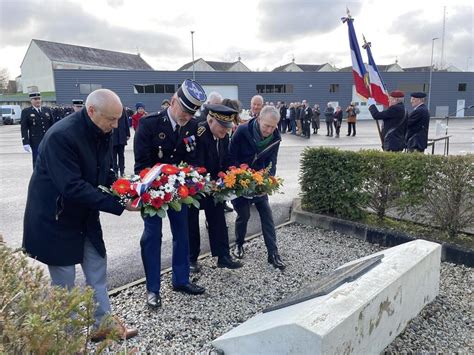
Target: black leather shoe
[227, 262]
[227, 208]
[153, 300]
[239, 251]
[190, 288]
[276, 261]
[194, 267]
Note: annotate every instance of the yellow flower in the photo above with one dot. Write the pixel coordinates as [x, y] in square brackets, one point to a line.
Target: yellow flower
[229, 180]
[244, 183]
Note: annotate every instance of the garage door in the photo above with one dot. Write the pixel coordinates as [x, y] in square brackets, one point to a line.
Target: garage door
[227, 91]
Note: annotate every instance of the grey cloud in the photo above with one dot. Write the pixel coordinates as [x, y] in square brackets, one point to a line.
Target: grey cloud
[285, 20]
[68, 23]
[418, 34]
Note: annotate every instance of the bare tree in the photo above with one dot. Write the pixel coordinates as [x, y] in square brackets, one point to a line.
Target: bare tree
[4, 78]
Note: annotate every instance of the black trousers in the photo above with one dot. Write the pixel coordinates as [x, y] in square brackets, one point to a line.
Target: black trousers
[349, 125]
[306, 128]
[218, 234]
[118, 159]
[329, 128]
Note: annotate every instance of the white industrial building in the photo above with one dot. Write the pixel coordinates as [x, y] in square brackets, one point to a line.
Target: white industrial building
[42, 57]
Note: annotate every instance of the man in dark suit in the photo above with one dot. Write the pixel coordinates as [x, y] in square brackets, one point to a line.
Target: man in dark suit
[168, 136]
[35, 121]
[61, 224]
[394, 121]
[417, 124]
[282, 125]
[306, 115]
[120, 136]
[212, 151]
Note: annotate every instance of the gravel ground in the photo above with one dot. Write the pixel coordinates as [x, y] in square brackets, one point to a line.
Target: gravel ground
[189, 323]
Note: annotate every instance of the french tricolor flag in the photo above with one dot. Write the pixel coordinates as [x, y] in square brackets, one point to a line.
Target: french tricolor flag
[358, 68]
[377, 86]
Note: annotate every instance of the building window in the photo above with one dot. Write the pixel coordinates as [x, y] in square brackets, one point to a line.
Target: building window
[154, 88]
[334, 88]
[86, 89]
[462, 87]
[274, 89]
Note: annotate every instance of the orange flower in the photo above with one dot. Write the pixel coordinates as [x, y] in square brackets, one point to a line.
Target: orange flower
[121, 186]
[229, 180]
[258, 178]
[170, 169]
[183, 191]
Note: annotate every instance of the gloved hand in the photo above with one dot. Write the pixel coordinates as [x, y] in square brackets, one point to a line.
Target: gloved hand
[370, 101]
[27, 148]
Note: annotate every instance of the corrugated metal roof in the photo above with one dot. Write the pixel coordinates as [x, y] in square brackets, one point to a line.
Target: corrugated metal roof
[69, 53]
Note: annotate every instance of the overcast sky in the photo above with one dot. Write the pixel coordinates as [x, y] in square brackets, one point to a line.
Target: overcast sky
[265, 33]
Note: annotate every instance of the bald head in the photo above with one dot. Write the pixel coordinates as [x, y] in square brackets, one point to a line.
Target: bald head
[104, 108]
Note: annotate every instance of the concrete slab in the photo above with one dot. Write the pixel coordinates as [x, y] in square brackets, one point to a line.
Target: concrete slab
[361, 317]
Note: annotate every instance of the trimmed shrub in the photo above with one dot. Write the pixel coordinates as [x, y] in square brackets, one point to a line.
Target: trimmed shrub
[331, 182]
[434, 189]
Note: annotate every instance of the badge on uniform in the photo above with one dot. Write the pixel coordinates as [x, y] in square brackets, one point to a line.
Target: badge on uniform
[190, 143]
[162, 135]
[160, 152]
[201, 130]
[32, 115]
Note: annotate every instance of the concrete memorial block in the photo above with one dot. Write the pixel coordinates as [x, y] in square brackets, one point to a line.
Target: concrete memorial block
[362, 316]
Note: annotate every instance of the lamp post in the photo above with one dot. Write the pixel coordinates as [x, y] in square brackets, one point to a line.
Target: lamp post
[192, 52]
[431, 70]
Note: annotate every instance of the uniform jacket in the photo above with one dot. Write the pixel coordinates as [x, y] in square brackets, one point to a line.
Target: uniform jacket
[63, 203]
[156, 142]
[212, 152]
[394, 126]
[283, 110]
[122, 132]
[243, 148]
[34, 125]
[307, 114]
[417, 128]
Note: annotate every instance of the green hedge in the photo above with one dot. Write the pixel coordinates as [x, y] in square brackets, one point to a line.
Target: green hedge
[434, 189]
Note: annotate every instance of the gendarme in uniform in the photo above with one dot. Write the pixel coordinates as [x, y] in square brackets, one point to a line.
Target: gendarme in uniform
[168, 137]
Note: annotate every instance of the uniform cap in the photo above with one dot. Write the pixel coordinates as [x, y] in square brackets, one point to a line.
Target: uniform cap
[34, 95]
[397, 93]
[78, 102]
[222, 114]
[191, 95]
[418, 95]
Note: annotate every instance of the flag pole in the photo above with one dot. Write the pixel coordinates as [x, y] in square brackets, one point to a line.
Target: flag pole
[366, 46]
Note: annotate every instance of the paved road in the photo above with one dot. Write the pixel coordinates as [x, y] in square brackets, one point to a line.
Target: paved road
[122, 234]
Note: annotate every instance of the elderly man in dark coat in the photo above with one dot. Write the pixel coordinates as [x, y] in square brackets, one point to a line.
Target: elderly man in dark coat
[256, 144]
[394, 121]
[61, 224]
[418, 124]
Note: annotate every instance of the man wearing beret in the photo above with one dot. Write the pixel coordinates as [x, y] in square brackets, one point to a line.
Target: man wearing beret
[394, 121]
[212, 151]
[35, 121]
[168, 137]
[417, 124]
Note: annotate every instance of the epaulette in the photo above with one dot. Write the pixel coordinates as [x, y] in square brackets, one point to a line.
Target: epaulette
[201, 131]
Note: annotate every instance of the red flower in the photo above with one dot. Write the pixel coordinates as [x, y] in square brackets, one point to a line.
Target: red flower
[244, 166]
[170, 169]
[199, 185]
[221, 174]
[183, 191]
[192, 191]
[156, 183]
[232, 167]
[121, 186]
[146, 198]
[164, 179]
[157, 202]
[167, 197]
[144, 172]
[186, 170]
[201, 170]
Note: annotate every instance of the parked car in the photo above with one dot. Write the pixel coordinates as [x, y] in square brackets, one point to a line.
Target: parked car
[11, 114]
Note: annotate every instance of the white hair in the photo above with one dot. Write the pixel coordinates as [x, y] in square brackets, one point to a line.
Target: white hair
[257, 97]
[214, 98]
[270, 111]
